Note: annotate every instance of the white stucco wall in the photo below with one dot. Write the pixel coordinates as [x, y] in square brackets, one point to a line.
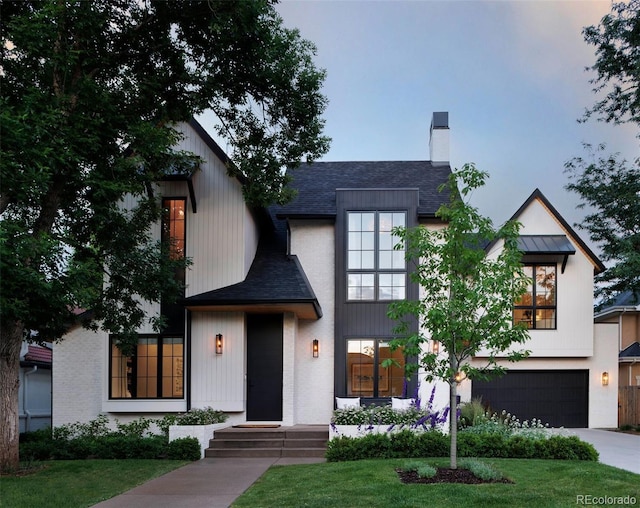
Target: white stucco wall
[314, 244]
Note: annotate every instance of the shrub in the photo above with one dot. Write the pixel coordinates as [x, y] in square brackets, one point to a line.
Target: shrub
[471, 412]
[480, 469]
[435, 444]
[184, 448]
[195, 416]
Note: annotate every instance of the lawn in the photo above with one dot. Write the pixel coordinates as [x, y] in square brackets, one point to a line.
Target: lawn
[374, 483]
[79, 483]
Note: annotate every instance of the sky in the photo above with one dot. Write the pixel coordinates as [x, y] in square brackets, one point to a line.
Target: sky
[511, 74]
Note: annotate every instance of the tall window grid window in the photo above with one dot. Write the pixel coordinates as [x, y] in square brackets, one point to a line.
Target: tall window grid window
[154, 371]
[366, 377]
[537, 307]
[376, 270]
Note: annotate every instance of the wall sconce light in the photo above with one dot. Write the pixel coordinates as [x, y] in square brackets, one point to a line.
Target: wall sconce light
[605, 378]
[458, 377]
[435, 347]
[315, 348]
[219, 344]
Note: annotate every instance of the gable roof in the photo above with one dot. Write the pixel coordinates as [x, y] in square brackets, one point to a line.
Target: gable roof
[631, 351]
[276, 282]
[537, 195]
[626, 301]
[316, 185]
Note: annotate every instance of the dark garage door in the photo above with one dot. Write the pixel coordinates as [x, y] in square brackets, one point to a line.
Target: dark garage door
[557, 397]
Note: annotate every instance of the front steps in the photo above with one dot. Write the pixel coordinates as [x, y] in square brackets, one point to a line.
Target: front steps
[297, 441]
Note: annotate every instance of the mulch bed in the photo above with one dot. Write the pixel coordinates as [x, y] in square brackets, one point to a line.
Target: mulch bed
[446, 475]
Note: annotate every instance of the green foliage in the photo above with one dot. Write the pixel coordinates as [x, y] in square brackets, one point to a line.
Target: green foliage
[378, 415]
[435, 444]
[617, 43]
[423, 469]
[91, 96]
[609, 187]
[95, 439]
[468, 296]
[506, 424]
[195, 416]
[184, 448]
[471, 412]
[481, 469]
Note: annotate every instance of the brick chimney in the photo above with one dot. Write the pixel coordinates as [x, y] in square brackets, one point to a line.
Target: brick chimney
[439, 138]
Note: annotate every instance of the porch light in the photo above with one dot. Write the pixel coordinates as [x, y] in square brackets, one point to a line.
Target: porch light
[605, 378]
[315, 348]
[458, 377]
[435, 347]
[219, 344]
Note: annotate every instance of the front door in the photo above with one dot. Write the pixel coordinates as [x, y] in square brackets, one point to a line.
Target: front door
[264, 367]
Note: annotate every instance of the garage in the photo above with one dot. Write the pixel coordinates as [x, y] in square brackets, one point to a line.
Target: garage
[557, 397]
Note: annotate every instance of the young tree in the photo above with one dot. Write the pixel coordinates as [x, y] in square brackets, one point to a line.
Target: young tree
[617, 42]
[90, 94]
[466, 294]
[611, 188]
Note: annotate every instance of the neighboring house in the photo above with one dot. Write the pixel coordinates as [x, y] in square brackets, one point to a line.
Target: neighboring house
[624, 312]
[34, 396]
[285, 308]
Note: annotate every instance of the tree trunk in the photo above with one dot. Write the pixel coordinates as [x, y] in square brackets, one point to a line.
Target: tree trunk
[453, 423]
[10, 342]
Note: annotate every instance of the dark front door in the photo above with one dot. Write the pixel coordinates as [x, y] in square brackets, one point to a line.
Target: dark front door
[557, 397]
[264, 367]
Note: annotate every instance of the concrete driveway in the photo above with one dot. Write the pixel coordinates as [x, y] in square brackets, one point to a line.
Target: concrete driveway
[615, 448]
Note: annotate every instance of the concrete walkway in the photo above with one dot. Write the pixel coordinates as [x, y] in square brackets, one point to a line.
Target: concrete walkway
[207, 483]
[615, 448]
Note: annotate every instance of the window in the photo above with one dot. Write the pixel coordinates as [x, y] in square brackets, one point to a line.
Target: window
[173, 229]
[375, 270]
[366, 377]
[155, 371]
[537, 307]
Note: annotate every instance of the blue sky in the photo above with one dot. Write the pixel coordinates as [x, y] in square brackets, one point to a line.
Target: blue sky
[511, 75]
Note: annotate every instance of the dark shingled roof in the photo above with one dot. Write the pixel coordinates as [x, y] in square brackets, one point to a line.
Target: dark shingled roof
[273, 279]
[316, 185]
[631, 351]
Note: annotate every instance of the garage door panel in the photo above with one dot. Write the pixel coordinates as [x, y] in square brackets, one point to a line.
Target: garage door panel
[559, 398]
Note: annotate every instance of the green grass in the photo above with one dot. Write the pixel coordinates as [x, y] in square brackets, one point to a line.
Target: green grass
[374, 483]
[79, 483]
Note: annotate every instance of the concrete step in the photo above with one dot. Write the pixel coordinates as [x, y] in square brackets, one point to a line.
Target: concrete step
[277, 442]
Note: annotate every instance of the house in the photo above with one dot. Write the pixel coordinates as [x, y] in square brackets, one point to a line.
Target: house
[285, 308]
[34, 396]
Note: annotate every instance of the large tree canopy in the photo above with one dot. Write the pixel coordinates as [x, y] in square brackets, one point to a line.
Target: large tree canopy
[610, 188]
[617, 67]
[90, 94]
[608, 185]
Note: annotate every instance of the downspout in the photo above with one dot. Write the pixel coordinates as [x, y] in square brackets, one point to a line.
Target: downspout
[27, 423]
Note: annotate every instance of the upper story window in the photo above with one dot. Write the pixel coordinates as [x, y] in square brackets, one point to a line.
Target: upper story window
[375, 270]
[537, 307]
[173, 225]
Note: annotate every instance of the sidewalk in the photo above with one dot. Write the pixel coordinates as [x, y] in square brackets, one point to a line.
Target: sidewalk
[207, 483]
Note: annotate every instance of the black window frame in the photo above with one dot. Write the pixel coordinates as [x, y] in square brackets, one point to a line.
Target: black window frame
[534, 304]
[131, 360]
[376, 271]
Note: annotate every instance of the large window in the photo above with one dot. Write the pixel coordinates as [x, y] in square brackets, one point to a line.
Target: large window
[366, 377]
[537, 307]
[174, 235]
[155, 371]
[375, 269]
